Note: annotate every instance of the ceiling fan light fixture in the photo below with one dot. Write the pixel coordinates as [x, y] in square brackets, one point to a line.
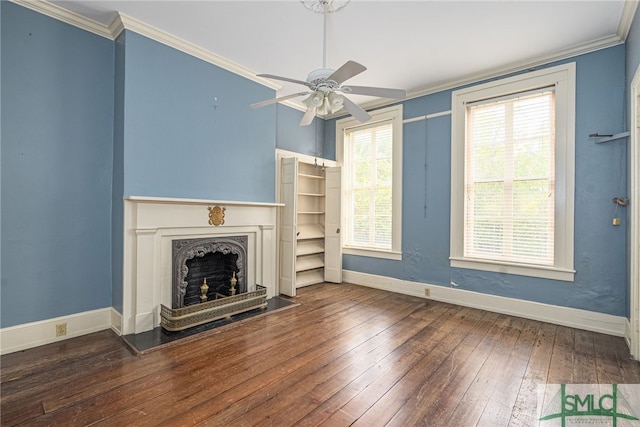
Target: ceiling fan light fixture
[316, 99]
[335, 101]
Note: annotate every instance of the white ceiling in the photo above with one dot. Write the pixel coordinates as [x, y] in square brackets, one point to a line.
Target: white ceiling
[414, 45]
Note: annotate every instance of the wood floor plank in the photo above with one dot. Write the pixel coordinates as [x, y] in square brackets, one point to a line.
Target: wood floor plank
[525, 409]
[346, 355]
[584, 364]
[607, 364]
[562, 357]
[43, 356]
[106, 380]
[139, 390]
[318, 355]
[233, 380]
[417, 382]
[359, 396]
[476, 398]
[288, 407]
[129, 374]
[22, 398]
[497, 345]
[378, 354]
[504, 392]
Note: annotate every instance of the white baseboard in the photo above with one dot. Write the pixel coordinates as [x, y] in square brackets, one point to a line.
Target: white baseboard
[116, 321]
[629, 338]
[565, 316]
[28, 335]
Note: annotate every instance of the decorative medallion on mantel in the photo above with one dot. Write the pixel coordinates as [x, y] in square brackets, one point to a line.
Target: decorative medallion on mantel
[216, 215]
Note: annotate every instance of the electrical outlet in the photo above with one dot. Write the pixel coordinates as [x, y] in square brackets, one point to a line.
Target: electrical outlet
[61, 329]
[427, 292]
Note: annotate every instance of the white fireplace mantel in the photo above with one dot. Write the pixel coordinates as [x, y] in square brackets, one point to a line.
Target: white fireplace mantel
[150, 225]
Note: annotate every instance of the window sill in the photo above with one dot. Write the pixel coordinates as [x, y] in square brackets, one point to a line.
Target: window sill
[374, 253]
[553, 273]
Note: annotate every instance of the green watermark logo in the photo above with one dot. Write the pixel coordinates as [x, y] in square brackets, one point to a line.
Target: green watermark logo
[592, 404]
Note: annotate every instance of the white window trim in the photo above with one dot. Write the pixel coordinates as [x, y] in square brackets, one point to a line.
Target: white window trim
[393, 113]
[563, 77]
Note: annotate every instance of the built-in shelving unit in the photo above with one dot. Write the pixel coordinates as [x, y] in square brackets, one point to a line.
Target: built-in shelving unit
[309, 240]
[310, 225]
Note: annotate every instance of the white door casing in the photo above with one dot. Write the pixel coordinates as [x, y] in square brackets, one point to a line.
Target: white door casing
[634, 217]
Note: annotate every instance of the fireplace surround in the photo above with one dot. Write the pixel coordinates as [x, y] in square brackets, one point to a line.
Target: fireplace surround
[152, 224]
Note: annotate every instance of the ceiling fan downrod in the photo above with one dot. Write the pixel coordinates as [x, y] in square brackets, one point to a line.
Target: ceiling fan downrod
[325, 5]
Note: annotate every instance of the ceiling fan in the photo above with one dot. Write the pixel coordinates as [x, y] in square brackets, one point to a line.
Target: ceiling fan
[325, 87]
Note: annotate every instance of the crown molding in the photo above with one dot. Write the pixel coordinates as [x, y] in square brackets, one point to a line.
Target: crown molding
[581, 49]
[116, 27]
[626, 18]
[122, 22]
[161, 36]
[560, 55]
[61, 14]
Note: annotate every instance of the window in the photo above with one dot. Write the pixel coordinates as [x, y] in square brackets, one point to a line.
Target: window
[371, 156]
[512, 175]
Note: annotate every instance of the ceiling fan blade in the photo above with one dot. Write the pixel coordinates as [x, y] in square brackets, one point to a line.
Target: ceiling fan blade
[382, 92]
[274, 100]
[285, 79]
[357, 112]
[308, 116]
[348, 70]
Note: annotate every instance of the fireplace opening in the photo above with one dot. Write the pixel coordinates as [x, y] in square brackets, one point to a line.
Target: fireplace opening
[216, 259]
[218, 269]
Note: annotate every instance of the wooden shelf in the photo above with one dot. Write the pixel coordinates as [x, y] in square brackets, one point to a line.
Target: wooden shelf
[310, 231]
[308, 247]
[306, 175]
[311, 213]
[310, 277]
[309, 262]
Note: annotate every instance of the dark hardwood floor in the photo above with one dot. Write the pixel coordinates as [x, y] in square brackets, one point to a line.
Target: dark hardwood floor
[347, 355]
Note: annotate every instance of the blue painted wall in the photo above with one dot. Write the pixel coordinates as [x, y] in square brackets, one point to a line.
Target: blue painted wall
[308, 140]
[184, 129]
[188, 128]
[57, 142]
[87, 121]
[600, 249]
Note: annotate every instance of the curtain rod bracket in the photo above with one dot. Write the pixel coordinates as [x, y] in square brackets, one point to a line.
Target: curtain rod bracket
[609, 137]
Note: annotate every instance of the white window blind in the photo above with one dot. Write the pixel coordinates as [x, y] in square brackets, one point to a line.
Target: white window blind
[368, 150]
[509, 182]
